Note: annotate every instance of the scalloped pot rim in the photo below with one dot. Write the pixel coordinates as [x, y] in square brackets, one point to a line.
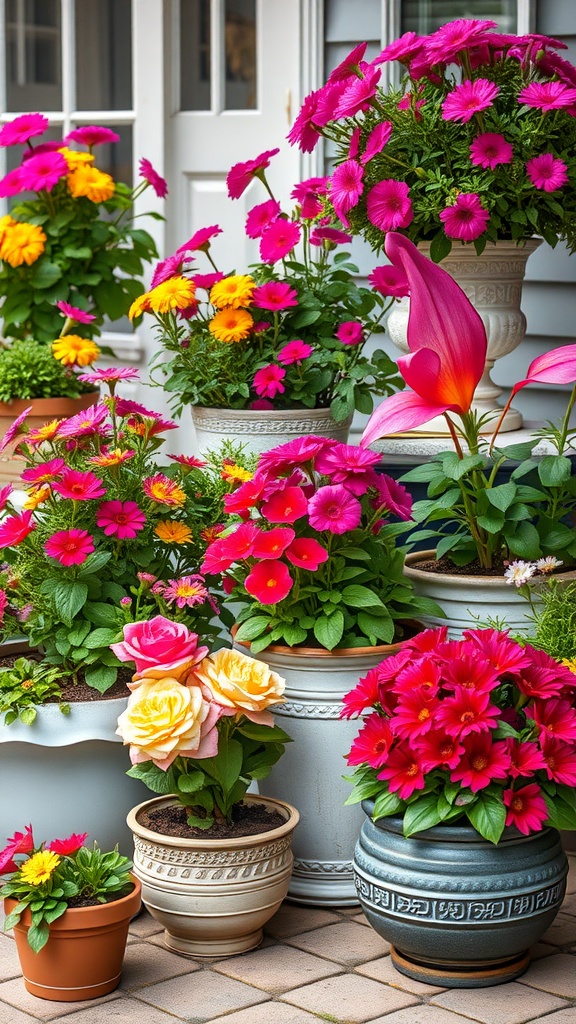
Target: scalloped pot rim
[87, 720]
[472, 580]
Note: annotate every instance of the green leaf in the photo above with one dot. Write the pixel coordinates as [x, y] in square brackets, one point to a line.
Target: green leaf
[356, 554]
[253, 627]
[163, 783]
[293, 634]
[100, 677]
[101, 614]
[381, 627]
[421, 814]
[227, 766]
[357, 596]
[191, 782]
[524, 541]
[38, 936]
[501, 497]
[45, 274]
[263, 733]
[440, 246]
[68, 597]
[554, 470]
[329, 630]
[487, 815]
[386, 804]
[101, 637]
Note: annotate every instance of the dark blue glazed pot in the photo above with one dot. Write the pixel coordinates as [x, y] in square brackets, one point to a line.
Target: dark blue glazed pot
[459, 911]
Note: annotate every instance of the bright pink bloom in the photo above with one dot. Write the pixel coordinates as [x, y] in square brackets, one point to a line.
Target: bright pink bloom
[285, 506]
[304, 132]
[122, 519]
[15, 428]
[92, 135]
[269, 581]
[160, 647]
[5, 493]
[447, 41]
[21, 842]
[547, 95]
[388, 205]
[466, 219]
[187, 592]
[69, 547]
[389, 280]
[43, 172]
[372, 743]
[525, 758]
[350, 332]
[504, 654]
[414, 713]
[392, 496]
[272, 543]
[483, 761]
[526, 808]
[334, 509]
[467, 712]
[244, 498]
[241, 542]
[403, 771]
[376, 141]
[438, 750]
[559, 760]
[206, 281]
[468, 99]
[359, 93]
[292, 453]
[79, 486]
[74, 313]
[200, 240]
[260, 217]
[11, 184]
[218, 557]
[241, 174]
[158, 183]
[189, 460]
[349, 65]
[346, 187]
[294, 352]
[89, 421]
[490, 149]
[422, 675]
[66, 847]
[267, 382]
[547, 173]
[402, 49]
[469, 671]
[306, 553]
[555, 367]
[278, 239]
[165, 269]
[350, 465]
[14, 529]
[261, 403]
[110, 375]
[309, 194]
[364, 695]
[274, 295]
[554, 717]
[327, 234]
[22, 128]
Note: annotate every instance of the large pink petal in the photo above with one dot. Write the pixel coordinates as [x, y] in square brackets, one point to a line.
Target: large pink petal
[555, 367]
[400, 412]
[260, 717]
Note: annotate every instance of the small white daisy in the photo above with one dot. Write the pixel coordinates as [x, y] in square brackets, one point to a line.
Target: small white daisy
[548, 564]
[519, 572]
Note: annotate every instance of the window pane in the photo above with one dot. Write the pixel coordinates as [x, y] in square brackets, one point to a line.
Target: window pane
[33, 55]
[103, 54]
[195, 55]
[423, 16]
[240, 54]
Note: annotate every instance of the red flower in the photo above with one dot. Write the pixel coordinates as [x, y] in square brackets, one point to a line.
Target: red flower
[560, 760]
[69, 547]
[21, 842]
[525, 758]
[422, 675]
[306, 553]
[14, 529]
[285, 506]
[65, 847]
[272, 543]
[269, 581]
[526, 808]
[372, 743]
[471, 672]
[438, 750]
[466, 712]
[404, 771]
[555, 718]
[363, 696]
[502, 652]
[482, 762]
[414, 713]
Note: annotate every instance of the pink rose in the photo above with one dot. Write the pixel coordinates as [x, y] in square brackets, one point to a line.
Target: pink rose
[159, 648]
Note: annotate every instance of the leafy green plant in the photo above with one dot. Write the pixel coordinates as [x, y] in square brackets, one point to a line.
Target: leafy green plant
[24, 686]
[28, 369]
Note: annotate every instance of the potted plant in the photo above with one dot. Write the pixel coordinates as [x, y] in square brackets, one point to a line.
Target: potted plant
[106, 534]
[70, 907]
[465, 765]
[199, 734]
[482, 523]
[74, 240]
[311, 565]
[277, 352]
[471, 155]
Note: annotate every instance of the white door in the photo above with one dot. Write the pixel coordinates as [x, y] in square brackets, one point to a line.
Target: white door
[235, 85]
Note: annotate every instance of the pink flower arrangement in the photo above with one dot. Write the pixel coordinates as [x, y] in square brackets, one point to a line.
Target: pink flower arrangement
[310, 555]
[480, 729]
[501, 107]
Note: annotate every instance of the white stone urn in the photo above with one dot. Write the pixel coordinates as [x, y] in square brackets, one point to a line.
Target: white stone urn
[493, 283]
[262, 429]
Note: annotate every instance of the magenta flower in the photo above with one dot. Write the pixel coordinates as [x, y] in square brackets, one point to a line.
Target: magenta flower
[527, 809]
[160, 647]
[260, 217]
[122, 519]
[468, 99]
[201, 239]
[69, 547]
[346, 187]
[448, 40]
[285, 506]
[278, 240]
[392, 496]
[490, 149]
[402, 49]
[5, 493]
[294, 352]
[264, 404]
[333, 508]
[154, 179]
[241, 174]
[403, 771]
[268, 381]
[376, 141]
[292, 453]
[73, 313]
[358, 95]
[67, 846]
[15, 428]
[23, 128]
[79, 486]
[372, 743]
[110, 375]
[309, 195]
[466, 219]
[349, 66]
[43, 473]
[274, 295]
[389, 280]
[89, 421]
[11, 183]
[350, 332]
[269, 581]
[92, 135]
[187, 591]
[548, 95]
[206, 281]
[43, 172]
[20, 842]
[170, 267]
[14, 529]
[547, 173]
[306, 553]
[350, 465]
[272, 543]
[304, 132]
[326, 234]
[388, 205]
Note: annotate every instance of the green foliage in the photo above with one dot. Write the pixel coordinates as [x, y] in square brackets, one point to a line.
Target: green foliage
[29, 370]
[24, 686]
[554, 620]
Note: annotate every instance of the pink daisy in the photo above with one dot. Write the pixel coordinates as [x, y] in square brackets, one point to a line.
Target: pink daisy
[468, 99]
[350, 465]
[269, 581]
[388, 205]
[69, 547]
[448, 40]
[389, 280]
[292, 453]
[260, 217]
[11, 184]
[328, 234]
[110, 375]
[189, 460]
[309, 194]
[14, 529]
[154, 179]
[22, 128]
[89, 421]
[206, 281]
[360, 92]
[466, 219]
[187, 591]
[376, 141]
[201, 239]
[165, 269]
[527, 808]
[547, 95]
[354, 145]
[122, 519]
[274, 295]
[241, 174]
[67, 846]
[294, 352]
[79, 486]
[350, 332]
[92, 135]
[278, 240]
[304, 132]
[268, 381]
[333, 508]
[483, 761]
[73, 313]
[547, 173]
[43, 172]
[346, 187]
[403, 771]
[490, 149]
[372, 743]
[402, 49]
[15, 428]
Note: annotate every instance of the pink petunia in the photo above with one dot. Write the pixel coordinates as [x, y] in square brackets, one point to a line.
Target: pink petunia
[376, 141]
[241, 174]
[527, 808]
[23, 128]
[388, 205]
[267, 382]
[294, 352]
[547, 173]
[306, 553]
[154, 179]
[547, 96]
[74, 313]
[466, 219]
[490, 149]
[11, 184]
[260, 217]
[389, 280]
[278, 239]
[79, 486]
[122, 519]
[14, 529]
[285, 506]
[333, 508]
[292, 453]
[269, 581]
[201, 239]
[69, 547]
[272, 543]
[43, 171]
[274, 295]
[92, 135]
[468, 99]
[346, 187]
[309, 194]
[304, 132]
[350, 332]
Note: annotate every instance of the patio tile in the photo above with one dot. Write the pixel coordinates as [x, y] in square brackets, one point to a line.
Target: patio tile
[555, 974]
[384, 970]
[571, 880]
[277, 969]
[200, 997]
[349, 998]
[267, 1013]
[145, 925]
[121, 1011]
[569, 905]
[567, 1016]
[348, 943]
[510, 1003]
[423, 1014]
[145, 964]
[562, 932]
[542, 949]
[9, 962]
[13, 992]
[290, 920]
[8, 1015]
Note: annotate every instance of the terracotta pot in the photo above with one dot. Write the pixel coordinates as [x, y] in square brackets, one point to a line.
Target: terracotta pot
[43, 410]
[213, 896]
[83, 956]
[262, 429]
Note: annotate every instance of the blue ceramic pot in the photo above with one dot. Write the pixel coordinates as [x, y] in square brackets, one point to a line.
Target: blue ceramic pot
[459, 911]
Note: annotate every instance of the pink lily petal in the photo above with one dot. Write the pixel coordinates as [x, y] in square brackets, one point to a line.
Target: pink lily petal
[555, 367]
[402, 411]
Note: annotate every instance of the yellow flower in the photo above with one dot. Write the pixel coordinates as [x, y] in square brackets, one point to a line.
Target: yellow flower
[231, 325]
[6, 222]
[112, 458]
[175, 293]
[240, 682]
[569, 663]
[173, 533]
[163, 717]
[92, 183]
[21, 243]
[139, 306]
[72, 350]
[39, 867]
[37, 496]
[74, 158]
[44, 433]
[232, 291]
[162, 489]
[233, 473]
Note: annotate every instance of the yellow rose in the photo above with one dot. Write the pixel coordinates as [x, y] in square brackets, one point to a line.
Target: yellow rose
[240, 682]
[163, 719]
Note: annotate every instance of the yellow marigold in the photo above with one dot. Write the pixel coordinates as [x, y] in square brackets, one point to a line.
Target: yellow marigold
[175, 293]
[139, 306]
[72, 350]
[37, 496]
[21, 243]
[6, 222]
[92, 183]
[39, 867]
[233, 473]
[231, 325]
[173, 533]
[74, 158]
[234, 291]
[569, 663]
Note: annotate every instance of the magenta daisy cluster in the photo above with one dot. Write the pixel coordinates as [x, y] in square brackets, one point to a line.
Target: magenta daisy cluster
[501, 107]
[481, 728]
[310, 552]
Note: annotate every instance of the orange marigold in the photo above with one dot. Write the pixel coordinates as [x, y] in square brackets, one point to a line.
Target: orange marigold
[231, 325]
[88, 181]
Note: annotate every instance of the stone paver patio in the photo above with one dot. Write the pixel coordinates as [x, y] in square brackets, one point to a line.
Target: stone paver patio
[314, 965]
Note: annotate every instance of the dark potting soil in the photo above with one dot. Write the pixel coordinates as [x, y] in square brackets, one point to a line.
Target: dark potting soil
[445, 566]
[247, 820]
[73, 693]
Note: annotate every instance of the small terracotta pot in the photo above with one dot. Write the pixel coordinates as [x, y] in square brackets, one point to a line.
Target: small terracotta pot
[42, 411]
[83, 956]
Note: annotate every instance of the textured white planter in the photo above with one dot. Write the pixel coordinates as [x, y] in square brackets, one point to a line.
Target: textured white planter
[67, 773]
[262, 429]
[493, 283]
[310, 772]
[213, 896]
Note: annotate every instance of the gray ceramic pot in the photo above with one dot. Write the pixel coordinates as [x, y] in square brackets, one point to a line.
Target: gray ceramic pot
[459, 911]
